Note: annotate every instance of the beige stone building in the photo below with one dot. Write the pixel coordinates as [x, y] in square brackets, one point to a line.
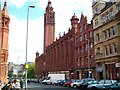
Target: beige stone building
[4, 32]
[106, 28]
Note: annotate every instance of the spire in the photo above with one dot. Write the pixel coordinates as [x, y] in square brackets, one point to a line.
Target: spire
[5, 11]
[49, 6]
[49, 1]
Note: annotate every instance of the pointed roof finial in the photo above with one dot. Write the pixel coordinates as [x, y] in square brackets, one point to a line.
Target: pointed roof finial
[5, 12]
[49, 1]
[5, 3]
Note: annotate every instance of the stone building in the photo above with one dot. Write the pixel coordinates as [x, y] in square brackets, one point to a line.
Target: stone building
[4, 32]
[106, 28]
[63, 55]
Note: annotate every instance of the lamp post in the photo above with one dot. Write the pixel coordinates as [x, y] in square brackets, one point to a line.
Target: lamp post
[26, 66]
[88, 58]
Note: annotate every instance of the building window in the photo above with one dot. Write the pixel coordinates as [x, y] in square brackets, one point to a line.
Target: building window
[81, 38]
[111, 13]
[114, 48]
[105, 48]
[105, 34]
[86, 47]
[110, 49]
[96, 10]
[85, 36]
[80, 29]
[107, 16]
[90, 33]
[91, 45]
[86, 59]
[96, 22]
[81, 49]
[81, 61]
[109, 34]
[77, 51]
[84, 26]
[97, 37]
[119, 7]
[103, 19]
[113, 31]
[98, 51]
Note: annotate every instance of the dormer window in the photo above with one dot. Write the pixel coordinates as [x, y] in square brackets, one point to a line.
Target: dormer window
[96, 22]
[96, 10]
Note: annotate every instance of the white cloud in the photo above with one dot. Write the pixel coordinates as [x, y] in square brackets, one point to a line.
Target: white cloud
[17, 39]
[64, 9]
[17, 3]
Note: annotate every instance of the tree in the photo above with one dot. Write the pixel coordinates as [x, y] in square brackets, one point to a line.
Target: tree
[31, 71]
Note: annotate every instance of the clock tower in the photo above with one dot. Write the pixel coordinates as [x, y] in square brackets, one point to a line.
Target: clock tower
[49, 25]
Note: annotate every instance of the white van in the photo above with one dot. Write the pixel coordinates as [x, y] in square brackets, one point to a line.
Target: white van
[52, 78]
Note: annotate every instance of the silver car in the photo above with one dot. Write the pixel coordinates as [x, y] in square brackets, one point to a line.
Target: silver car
[102, 84]
[77, 83]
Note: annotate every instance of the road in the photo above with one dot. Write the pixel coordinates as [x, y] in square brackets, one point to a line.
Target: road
[38, 86]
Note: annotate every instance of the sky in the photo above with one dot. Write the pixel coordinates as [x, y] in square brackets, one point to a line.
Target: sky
[17, 9]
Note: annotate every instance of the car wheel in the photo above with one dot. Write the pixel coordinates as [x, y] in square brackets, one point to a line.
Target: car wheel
[93, 88]
[67, 85]
[74, 86]
[110, 89]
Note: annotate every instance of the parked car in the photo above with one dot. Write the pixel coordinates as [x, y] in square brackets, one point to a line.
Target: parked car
[52, 78]
[85, 84]
[77, 83]
[58, 82]
[61, 82]
[115, 86]
[102, 84]
[67, 84]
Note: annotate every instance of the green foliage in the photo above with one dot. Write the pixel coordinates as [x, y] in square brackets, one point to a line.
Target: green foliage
[31, 71]
[10, 73]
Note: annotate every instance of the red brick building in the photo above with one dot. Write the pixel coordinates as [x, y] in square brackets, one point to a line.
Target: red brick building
[4, 32]
[64, 55]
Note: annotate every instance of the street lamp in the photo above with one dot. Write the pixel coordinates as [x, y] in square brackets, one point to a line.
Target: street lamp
[26, 66]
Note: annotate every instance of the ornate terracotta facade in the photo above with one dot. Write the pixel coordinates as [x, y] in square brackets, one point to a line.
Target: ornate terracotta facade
[4, 32]
[63, 55]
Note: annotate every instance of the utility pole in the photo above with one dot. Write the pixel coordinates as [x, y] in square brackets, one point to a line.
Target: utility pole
[0, 38]
[88, 58]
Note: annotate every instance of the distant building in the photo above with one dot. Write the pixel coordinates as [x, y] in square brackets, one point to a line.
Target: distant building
[63, 55]
[4, 32]
[15, 69]
[106, 28]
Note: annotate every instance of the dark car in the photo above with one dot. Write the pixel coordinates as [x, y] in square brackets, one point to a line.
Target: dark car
[115, 86]
[61, 82]
[58, 82]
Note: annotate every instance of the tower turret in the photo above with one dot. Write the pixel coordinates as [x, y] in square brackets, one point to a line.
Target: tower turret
[74, 22]
[49, 25]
